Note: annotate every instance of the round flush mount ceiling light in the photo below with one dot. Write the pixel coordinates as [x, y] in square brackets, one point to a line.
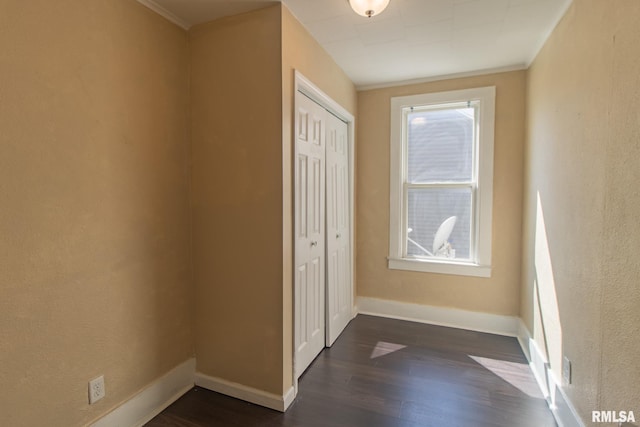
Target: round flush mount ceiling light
[368, 8]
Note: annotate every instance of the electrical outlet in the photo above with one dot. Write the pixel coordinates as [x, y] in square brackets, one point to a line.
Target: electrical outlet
[96, 389]
[566, 370]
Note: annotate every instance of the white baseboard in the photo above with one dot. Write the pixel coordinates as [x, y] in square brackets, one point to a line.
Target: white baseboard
[288, 398]
[562, 408]
[354, 311]
[249, 394]
[145, 405]
[454, 318]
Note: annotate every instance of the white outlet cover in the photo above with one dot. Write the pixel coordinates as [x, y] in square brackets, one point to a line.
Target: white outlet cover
[96, 389]
[566, 370]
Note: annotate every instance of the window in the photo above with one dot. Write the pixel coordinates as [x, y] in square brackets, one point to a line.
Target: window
[441, 182]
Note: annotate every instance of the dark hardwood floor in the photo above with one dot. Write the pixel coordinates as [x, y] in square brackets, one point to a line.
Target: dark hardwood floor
[384, 372]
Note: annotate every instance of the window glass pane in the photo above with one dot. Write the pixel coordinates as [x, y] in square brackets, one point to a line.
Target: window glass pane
[427, 211]
[440, 145]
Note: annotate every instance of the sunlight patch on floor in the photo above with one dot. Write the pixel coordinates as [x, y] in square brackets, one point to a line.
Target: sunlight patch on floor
[383, 348]
[517, 374]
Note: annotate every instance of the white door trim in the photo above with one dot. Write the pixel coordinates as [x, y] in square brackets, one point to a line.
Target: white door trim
[305, 86]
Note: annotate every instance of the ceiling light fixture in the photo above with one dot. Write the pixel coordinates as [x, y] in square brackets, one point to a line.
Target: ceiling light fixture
[368, 8]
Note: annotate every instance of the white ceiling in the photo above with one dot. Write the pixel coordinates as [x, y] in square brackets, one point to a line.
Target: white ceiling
[411, 39]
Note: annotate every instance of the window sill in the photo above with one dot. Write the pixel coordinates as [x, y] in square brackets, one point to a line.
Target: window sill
[440, 267]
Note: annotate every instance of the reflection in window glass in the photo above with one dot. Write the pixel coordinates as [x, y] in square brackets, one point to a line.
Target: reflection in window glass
[427, 209]
[440, 173]
[440, 145]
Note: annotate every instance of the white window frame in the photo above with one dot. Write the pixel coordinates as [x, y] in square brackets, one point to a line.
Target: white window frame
[480, 265]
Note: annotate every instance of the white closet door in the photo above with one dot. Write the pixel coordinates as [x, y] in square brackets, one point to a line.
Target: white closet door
[309, 292]
[339, 294]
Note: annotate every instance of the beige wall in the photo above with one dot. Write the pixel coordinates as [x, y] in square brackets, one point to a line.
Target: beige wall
[242, 189]
[237, 198]
[94, 161]
[95, 176]
[94, 214]
[301, 52]
[580, 294]
[498, 294]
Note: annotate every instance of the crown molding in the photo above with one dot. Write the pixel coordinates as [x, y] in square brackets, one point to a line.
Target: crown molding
[516, 67]
[165, 13]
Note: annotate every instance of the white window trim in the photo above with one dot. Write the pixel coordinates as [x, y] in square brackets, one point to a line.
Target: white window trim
[484, 201]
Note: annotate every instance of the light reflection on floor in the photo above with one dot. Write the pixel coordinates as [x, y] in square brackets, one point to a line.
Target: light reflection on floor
[517, 374]
[383, 348]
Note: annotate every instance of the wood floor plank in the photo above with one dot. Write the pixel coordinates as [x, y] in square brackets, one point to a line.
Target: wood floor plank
[391, 373]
